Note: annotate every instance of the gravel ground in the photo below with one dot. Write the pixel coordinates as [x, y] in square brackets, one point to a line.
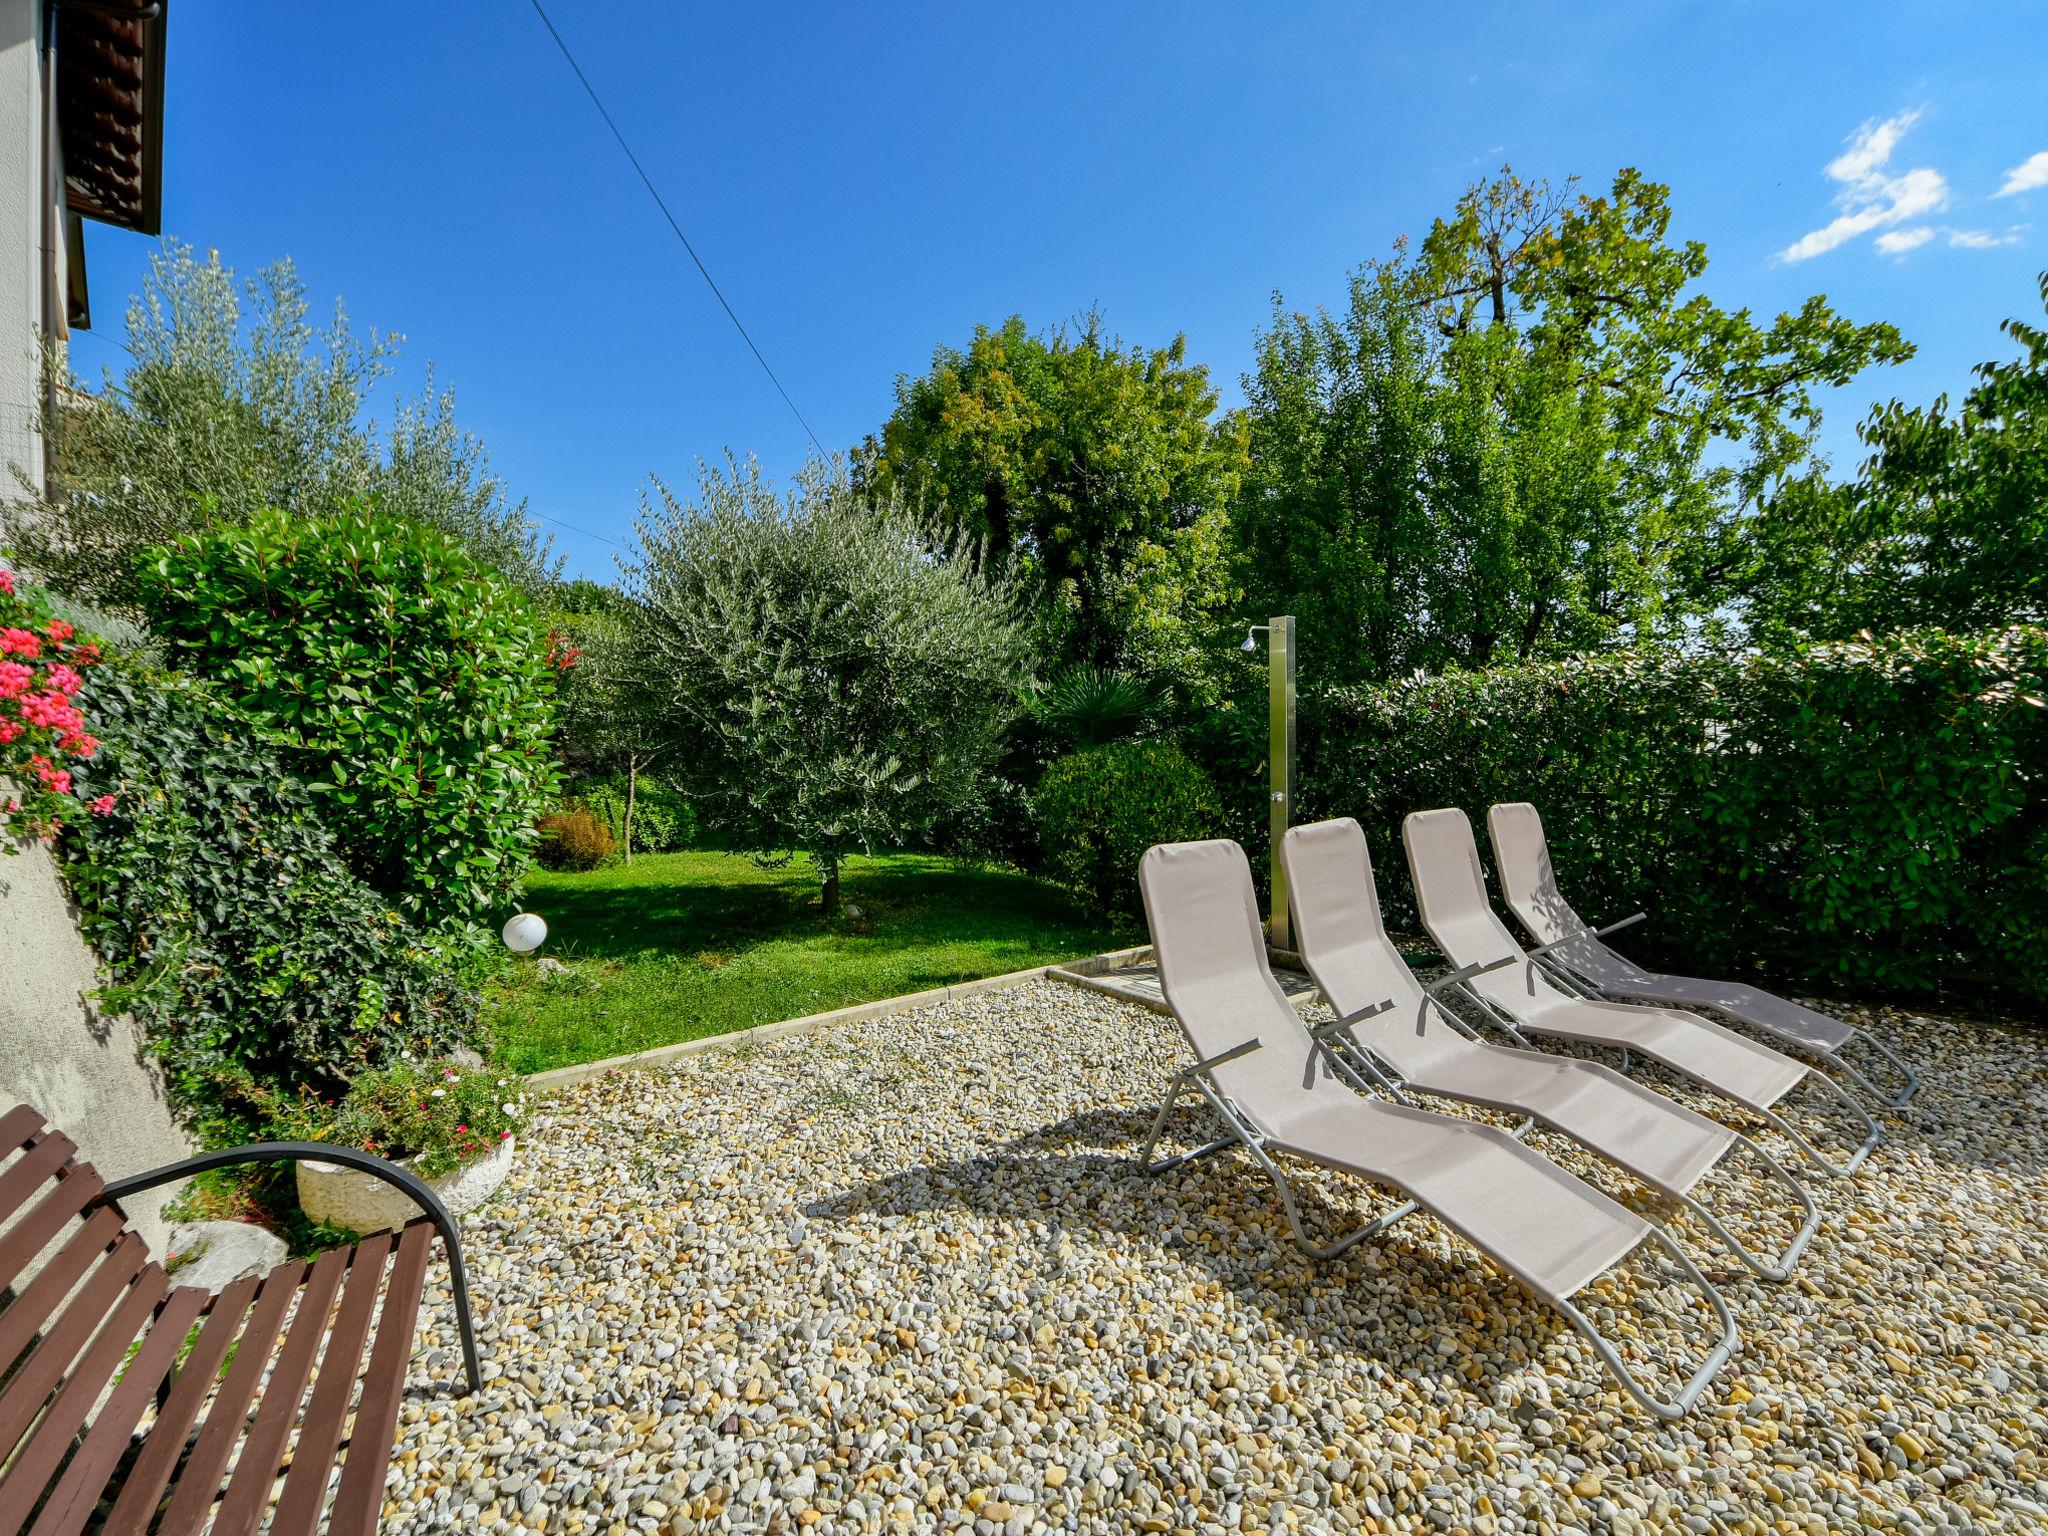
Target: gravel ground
[904, 1277]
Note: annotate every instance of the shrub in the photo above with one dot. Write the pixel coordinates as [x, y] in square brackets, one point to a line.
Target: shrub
[572, 838]
[437, 1113]
[663, 821]
[43, 735]
[1099, 810]
[1866, 815]
[408, 686]
[255, 961]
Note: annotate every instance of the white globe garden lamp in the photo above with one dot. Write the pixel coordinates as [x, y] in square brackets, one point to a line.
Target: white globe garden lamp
[524, 932]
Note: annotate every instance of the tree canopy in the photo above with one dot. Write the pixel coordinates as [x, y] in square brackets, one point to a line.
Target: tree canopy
[832, 676]
[1528, 436]
[233, 404]
[1086, 470]
[1946, 524]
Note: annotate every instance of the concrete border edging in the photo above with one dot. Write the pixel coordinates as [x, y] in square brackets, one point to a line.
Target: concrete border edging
[856, 1013]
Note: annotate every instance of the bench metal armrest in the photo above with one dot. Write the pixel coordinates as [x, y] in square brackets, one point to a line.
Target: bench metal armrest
[348, 1157]
[1467, 972]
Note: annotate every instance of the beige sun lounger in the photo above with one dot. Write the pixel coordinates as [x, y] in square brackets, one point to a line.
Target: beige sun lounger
[1343, 942]
[1568, 943]
[1281, 1090]
[1451, 893]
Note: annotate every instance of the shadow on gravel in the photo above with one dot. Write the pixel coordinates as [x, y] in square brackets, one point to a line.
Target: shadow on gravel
[1385, 1300]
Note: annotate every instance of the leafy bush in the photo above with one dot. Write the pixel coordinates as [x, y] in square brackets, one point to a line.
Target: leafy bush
[406, 684]
[663, 821]
[572, 838]
[1866, 815]
[233, 930]
[437, 1113]
[1099, 810]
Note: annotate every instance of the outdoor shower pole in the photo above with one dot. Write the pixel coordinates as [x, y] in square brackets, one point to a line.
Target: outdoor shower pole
[1280, 763]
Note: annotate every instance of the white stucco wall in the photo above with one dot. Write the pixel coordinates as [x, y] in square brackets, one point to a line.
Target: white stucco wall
[21, 239]
[84, 1070]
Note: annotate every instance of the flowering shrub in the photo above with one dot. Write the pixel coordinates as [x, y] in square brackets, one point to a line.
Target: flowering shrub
[255, 961]
[436, 1113]
[1865, 814]
[42, 729]
[409, 687]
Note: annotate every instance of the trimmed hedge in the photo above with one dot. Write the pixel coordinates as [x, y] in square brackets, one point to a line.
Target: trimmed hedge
[407, 686]
[1866, 815]
[1099, 810]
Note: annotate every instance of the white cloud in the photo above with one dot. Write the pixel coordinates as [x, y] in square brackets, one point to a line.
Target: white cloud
[1896, 242]
[1980, 239]
[2030, 173]
[1871, 199]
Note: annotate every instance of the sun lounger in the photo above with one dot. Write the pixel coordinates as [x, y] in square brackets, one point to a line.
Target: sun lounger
[1343, 942]
[1573, 946]
[1451, 893]
[1284, 1093]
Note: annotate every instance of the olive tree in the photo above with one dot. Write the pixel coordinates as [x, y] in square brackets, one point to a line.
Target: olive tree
[834, 676]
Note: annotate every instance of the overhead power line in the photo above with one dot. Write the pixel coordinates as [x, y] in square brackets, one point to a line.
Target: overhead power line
[648, 182]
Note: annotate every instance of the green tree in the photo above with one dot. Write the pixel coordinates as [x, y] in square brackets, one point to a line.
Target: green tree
[1946, 525]
[407, 684]
[1527, 437]
[234, 403]
[833, 680]
[1089, 471]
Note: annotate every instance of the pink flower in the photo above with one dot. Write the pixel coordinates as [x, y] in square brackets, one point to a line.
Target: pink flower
[61, 678]
[7, 582]
[52, 710]
[20, 642]
[57, 629]
[104, 806]
[14, 679]
[9, 730]
[78, 744]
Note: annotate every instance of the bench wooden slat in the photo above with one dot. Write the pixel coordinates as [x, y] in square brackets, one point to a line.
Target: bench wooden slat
[248, 1495]
[305, 1488]
[21, 1488]
[71, 1502]
[199, 1480]
[19, 1126]
[151, 1473]
[46, 1364]
[38, 1300]
[360, 1499]
[42, 1167]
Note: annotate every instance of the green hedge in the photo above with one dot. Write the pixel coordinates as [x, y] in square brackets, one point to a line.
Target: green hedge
[1864, 815]
[256, 962]
[407, 686]
[1099, 810]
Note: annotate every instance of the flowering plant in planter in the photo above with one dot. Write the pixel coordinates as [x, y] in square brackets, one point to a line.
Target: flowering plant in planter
[436, 1115]
[42, 666]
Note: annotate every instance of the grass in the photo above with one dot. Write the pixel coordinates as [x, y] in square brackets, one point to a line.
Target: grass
[683, 945]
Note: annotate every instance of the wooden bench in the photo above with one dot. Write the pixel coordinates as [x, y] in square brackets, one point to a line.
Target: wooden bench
[126, 1400]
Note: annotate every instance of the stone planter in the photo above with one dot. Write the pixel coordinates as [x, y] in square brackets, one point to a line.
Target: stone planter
[362, 1202]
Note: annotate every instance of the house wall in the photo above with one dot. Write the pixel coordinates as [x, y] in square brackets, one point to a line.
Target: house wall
[21, 238]
[83, 1069]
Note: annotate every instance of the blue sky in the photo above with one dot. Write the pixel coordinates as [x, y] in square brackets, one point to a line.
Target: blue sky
[869, 181]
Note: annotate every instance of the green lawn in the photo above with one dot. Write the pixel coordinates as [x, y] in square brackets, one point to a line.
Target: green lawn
[683, 945]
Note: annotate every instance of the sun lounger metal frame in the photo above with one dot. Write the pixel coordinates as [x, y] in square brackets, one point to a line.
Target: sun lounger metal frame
[1242, 1131]
[1573, 978]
